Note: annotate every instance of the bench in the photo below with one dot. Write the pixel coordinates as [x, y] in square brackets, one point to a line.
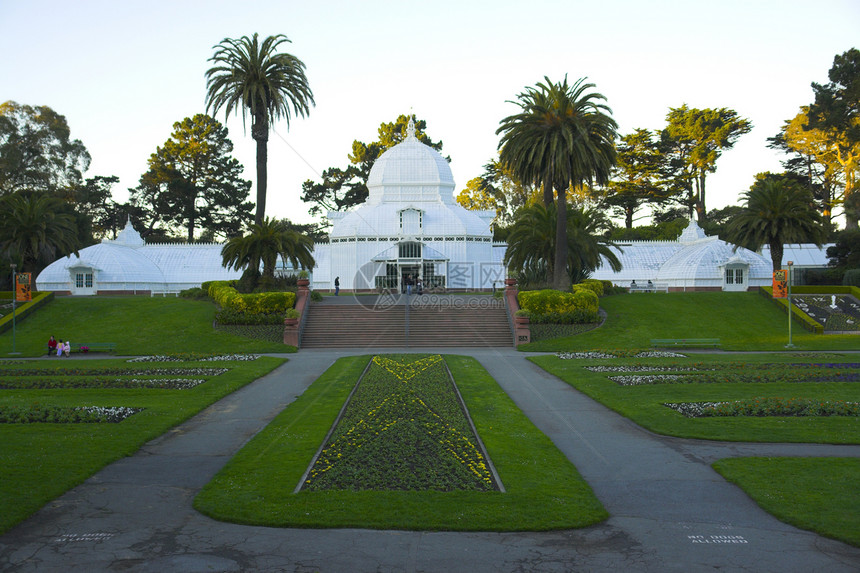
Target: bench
[94, 346]
[163, 293]
[685, 342]
[653, 287]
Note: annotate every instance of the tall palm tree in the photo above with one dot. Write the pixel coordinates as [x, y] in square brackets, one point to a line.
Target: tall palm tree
[263, 245]
[35, 232]
[777, 211]
[531, 243]
[563, 137]
[253, 77]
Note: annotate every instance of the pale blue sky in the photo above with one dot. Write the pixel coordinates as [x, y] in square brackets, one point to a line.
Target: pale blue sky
[122, 72]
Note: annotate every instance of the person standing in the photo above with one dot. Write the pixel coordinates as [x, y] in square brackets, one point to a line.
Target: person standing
[336, 286]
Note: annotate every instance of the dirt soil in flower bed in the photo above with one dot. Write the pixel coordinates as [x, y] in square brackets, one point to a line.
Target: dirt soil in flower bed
[404, 428]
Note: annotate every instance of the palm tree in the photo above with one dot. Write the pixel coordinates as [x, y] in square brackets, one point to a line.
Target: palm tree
[531, 243]
[250, 75]
[35, 232]
[263, 245]
[777, 211]
[563, 137]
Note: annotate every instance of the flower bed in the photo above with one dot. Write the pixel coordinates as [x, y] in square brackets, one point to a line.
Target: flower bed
[767, 406]
[404, 428]
[844, 318]
[619, 353]
[37, 413]
[195, 357]
[94, 382]
[114, 372]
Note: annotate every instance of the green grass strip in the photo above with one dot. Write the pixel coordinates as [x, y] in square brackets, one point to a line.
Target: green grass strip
[544, 490]
[644, 404]
[39, 462]
[741, 320]
[816, 494]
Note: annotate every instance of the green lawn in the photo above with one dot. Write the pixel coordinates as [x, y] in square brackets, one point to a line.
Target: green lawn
[742, 321]
[644, 404]
[40, 461]
[817, 494]
[137, 324]
[543, 490]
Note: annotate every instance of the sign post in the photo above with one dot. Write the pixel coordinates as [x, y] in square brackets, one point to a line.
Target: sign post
[14, 300]
[789, 345]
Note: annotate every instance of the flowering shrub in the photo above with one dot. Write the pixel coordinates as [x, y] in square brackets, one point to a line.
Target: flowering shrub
[593, 285]
[768, 407]
[404, 428]
[64, 414]
[552, 306]
[619, 353]
[228, 298]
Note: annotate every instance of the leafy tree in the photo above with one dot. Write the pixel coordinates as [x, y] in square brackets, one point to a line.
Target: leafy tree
[253, 77]
[562, 138]
[776, 211]
[668, 230]
[531, 243]
[35, 232]
[719, 220]
[845, 252]
[94, 198]
[37, 152]
[497, 188]
[693, 140]
[637, 176]
[836, 112]
[263, 244]
[812, 158]
[194, 182]
[342, 189]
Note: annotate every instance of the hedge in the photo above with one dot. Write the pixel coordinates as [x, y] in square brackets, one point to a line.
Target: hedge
[594, 285]
[228, 298]
[552, 306]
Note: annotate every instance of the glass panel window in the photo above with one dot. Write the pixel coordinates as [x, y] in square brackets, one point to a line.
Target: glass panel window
[79, 280]
[88, 280]
[739, 276]
[730, 276]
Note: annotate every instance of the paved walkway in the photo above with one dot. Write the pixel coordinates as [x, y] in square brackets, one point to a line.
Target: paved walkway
[670, 511]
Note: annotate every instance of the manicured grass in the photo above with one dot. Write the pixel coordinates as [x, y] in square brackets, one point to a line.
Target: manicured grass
[40, 461]
[742, 321]
[137, 324]
[543, 490]
[817, 494]
[644, 404]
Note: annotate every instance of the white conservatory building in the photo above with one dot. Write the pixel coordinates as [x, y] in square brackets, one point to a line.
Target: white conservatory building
[694, 262]
[410, 225]
[127, 265]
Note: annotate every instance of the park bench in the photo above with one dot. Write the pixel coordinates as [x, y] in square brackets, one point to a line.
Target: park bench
[94, 346]
[653, 287]
[685, 342]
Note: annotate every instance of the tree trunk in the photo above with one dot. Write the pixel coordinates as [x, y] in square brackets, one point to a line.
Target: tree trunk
[776, 254]
[628, 217]
[260, 133]
[701, 213]
[547, 192]
[560, 278]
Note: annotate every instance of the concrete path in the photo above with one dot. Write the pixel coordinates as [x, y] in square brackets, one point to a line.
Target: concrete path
[670, 510]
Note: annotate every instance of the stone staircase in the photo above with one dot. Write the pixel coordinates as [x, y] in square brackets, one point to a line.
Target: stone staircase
[400, 326]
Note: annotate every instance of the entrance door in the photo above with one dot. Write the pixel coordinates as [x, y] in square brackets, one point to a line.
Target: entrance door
[82, 281]
[408, 271]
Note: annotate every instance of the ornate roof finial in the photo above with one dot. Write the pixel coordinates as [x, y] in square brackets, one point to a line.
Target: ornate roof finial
[410, 129]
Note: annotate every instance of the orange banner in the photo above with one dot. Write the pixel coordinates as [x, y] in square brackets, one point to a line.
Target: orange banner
[22, 287]
[780, 284]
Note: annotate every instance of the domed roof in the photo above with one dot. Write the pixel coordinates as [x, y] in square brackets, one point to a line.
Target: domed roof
[704, 259]
[410, 170]
[114, 262]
